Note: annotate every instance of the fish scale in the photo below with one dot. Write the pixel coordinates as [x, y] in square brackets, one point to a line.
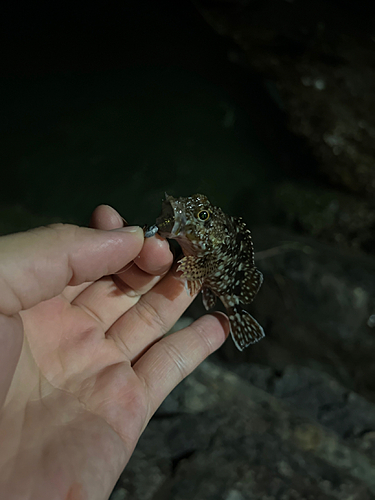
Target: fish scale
[218, 258]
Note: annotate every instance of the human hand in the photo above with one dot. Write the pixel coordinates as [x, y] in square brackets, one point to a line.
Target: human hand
[82, 366]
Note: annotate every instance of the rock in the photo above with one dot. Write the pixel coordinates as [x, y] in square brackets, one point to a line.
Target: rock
[316, 59]
[320, 397]
[315, 305]
[243, 443]
[327, 214]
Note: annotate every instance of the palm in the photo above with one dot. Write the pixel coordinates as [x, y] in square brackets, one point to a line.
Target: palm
[73, 356]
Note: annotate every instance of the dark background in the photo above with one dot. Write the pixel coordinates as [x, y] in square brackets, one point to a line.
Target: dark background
[120, 102]
[268, 109]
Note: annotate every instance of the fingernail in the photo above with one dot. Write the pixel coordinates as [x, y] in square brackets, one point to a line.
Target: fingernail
[128, 229]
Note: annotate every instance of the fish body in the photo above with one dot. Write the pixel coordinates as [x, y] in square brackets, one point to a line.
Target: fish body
[218, 258]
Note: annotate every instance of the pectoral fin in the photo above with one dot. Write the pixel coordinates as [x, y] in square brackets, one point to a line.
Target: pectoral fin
[194, 272]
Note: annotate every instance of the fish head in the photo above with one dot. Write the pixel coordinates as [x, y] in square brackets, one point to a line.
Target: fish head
[194, 222]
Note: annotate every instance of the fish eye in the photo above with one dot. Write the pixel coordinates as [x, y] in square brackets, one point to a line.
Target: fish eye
[203, 215]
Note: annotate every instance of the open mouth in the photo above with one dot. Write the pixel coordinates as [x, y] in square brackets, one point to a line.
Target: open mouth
[172, 220]
[179, 225]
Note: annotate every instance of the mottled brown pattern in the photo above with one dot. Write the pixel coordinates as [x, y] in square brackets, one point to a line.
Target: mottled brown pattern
[218, 257]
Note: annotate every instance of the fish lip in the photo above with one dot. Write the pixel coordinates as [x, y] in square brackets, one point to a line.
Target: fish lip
[179, 224]
[179, 217]
[172, 220]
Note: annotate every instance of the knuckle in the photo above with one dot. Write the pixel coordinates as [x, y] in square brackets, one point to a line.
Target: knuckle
[59, 231]
[204, 339]
[148, 314]
[177, 357]
[63, 230]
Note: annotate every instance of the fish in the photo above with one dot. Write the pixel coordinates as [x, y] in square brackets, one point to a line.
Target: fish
[218, 259]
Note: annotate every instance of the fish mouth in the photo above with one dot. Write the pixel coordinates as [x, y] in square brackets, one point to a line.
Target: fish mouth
[178, 226]
[172, 220]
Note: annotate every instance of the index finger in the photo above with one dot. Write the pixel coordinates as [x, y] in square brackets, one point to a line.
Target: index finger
[37, 265]
[155, 258]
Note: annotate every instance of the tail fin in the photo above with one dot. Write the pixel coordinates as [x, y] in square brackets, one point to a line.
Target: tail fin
[245, 329]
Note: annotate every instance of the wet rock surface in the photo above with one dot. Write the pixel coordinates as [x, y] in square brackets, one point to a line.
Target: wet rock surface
[316, 305]
[218, 436]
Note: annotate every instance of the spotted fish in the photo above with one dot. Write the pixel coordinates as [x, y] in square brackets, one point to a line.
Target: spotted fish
[218, 258]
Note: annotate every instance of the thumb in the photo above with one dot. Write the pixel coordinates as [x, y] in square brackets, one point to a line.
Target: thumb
[38, 264]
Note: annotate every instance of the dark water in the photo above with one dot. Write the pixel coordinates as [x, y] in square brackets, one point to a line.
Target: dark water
[123, 109]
